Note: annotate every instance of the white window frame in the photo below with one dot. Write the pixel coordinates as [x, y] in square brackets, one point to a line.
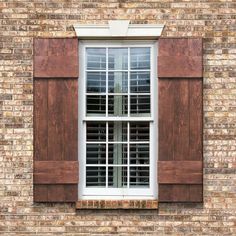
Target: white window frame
[114, 193]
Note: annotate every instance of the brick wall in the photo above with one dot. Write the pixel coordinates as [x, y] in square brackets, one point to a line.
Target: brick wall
[21, 20]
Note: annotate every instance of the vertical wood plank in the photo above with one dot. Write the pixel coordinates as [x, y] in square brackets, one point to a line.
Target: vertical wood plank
[55, 120]
[195, 111]
[70, 105]
[40, 193]
[71, 192]
[166, 119]
[196, 193]
[181, 119]
[40, 120]
[56, 193]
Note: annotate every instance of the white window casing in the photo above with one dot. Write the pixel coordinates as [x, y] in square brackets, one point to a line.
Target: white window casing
[107, 192]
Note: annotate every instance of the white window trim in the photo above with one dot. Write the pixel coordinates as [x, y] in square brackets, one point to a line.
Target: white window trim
[111, 193]
[120, 29]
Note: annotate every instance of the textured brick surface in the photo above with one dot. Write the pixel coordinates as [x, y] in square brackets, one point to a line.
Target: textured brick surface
[117, 204]
[20, 21]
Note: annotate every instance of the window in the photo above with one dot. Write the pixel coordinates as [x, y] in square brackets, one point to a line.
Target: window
[117, 112]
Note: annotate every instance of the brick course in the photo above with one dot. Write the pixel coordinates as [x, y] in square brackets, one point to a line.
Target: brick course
[20, 21]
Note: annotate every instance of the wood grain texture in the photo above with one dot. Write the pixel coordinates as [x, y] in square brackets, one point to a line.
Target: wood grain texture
[180, 193]
[181, 119]
[56, 58]
[180, 58]
[56, 125]
[166, 119]
[40, 119]
[195, 119]
[180, 172]
[55, 139]
[55, 193]
[180, 167]
[55, 172]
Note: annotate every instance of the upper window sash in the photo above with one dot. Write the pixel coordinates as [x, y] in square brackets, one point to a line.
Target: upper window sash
[119, 44]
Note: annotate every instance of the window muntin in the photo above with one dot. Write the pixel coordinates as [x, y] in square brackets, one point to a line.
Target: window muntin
[118, 120]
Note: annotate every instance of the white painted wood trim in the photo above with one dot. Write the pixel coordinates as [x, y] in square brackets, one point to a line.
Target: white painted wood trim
[118, 193]
[119, 29]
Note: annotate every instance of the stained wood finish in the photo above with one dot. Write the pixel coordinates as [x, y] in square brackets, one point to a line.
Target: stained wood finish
[180, 140]
[180, 193]
[55, 139]
[55, 193]
[180, 58]
[56, 172]
[180, 172]
[56, 58]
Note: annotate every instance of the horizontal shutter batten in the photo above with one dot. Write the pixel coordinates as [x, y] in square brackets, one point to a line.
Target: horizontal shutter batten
[180, 172]
[56, 172]
[56, 58]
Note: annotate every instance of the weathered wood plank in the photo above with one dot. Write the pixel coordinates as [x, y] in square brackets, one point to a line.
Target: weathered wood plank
[40, 119]
[181, 119]
[55, 172]
[56, 58]
[70, 107]
[180, 193]
[180, 58]
[166, 119]
[195, 119]
[180, 172]
[56, 127]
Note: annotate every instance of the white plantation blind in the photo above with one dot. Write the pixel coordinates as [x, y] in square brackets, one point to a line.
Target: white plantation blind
[117, 121]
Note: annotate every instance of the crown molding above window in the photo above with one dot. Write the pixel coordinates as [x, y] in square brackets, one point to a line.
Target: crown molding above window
[118, 29]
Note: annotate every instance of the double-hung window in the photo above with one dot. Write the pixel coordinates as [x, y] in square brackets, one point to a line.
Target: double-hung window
[117, 120]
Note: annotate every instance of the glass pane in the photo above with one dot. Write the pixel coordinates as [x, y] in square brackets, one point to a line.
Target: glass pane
[95, 153]
[117, 153]
[117, 105]
[96, 131]
[140, 82]
[139, 176]
[96, 82]
[117, 131]
[96, 58]
[139, 105]
[139, 154]
[140, 58]
[139, 131]
[96, 105]
[95, 176]
[118, 58]
[117, 177]
[117, 82]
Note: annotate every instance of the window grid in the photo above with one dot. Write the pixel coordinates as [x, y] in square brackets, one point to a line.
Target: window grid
[129, 94]
[127, 118]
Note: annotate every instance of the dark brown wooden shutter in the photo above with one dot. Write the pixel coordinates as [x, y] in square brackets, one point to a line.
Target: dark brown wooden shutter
[55, 120]
[180, 166]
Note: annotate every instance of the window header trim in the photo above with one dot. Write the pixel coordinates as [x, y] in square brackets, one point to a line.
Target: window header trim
[119, 29]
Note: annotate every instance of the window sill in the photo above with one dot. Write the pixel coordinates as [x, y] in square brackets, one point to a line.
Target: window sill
[117, 204]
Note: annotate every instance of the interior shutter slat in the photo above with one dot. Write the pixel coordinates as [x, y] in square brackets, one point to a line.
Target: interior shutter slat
[55, 120]
[180, 167]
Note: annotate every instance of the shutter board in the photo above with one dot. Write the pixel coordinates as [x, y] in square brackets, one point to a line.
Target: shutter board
[180, 172]
[56, 58]
[180, 58]
[180, 193]
[55, 120]
[180, 167]
[55, 193]
[55, 172]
